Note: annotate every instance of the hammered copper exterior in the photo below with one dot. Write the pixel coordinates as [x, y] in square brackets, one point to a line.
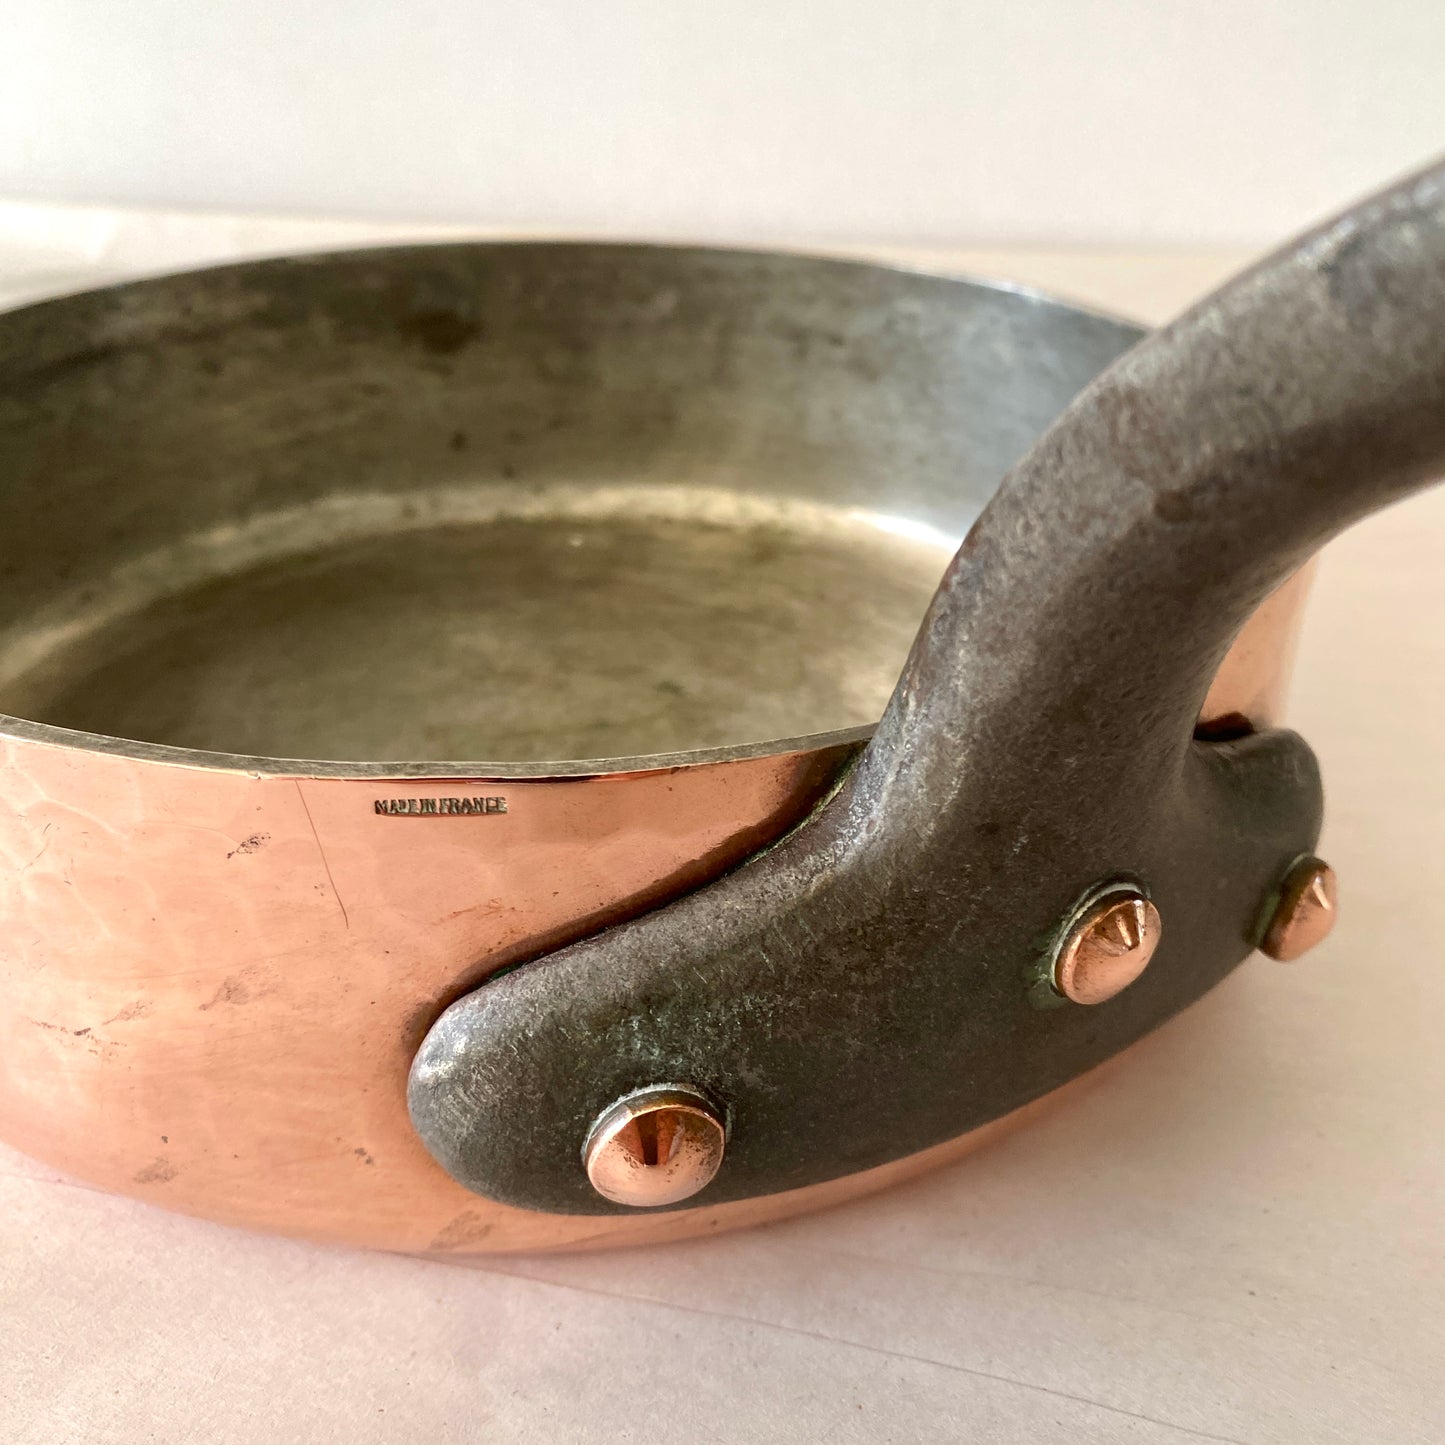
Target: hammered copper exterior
[239, 514]
[213, 983]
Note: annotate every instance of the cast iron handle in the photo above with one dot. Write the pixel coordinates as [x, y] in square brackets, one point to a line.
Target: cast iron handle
[868, 974]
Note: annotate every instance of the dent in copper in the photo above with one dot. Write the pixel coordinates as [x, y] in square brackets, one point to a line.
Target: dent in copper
[1107, 948]
[1305, 912]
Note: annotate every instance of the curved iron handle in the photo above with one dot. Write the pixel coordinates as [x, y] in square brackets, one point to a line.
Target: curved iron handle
[867, 974]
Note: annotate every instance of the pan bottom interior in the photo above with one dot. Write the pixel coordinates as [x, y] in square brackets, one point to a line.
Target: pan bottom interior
[589, 626]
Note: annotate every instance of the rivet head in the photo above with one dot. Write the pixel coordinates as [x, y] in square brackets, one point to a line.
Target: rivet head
[1305, 910]
[657, 1146]
[1108, 946]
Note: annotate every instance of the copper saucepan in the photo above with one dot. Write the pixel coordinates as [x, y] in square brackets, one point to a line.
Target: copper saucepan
[652, 508]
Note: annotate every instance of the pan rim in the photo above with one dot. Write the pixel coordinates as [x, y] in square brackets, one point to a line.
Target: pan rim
[22, 730]
[25, 731]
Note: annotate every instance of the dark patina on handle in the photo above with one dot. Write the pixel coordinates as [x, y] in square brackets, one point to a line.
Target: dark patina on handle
[868, 974]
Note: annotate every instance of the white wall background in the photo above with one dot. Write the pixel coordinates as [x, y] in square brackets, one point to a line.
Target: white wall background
[921, 121]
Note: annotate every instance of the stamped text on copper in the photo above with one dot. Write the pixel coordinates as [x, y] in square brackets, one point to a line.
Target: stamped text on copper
[439, 807]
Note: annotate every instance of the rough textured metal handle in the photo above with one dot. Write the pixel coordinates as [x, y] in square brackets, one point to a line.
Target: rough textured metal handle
[1129, 546]
[858, 992]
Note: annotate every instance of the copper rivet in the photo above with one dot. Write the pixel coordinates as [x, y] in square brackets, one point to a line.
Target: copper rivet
[1107, 947]
[1305, 912]
[657, 1146]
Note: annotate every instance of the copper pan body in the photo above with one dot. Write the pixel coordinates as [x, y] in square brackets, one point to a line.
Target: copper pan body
[429, 521]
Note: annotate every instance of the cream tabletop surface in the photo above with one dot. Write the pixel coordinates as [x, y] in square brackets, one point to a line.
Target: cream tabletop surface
[1238, 1234]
